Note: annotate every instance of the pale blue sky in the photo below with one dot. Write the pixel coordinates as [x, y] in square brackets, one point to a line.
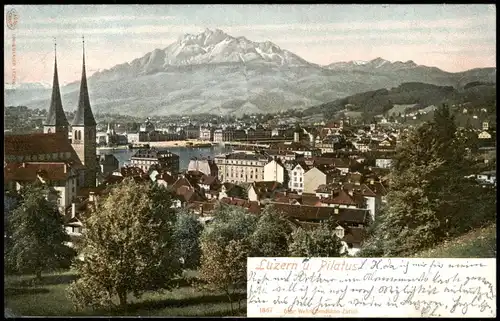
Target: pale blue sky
[451, 37]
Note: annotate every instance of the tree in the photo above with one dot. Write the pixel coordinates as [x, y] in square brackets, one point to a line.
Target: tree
[37, 235]
[225, 246]
[430, 197]
[410, 222]
[128, 246]
[270, 238]
[187, 236]
[319, 242]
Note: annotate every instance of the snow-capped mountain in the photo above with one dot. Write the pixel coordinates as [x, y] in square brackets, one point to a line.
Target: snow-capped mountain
[375, 64]
[208, 47]
[213, 72]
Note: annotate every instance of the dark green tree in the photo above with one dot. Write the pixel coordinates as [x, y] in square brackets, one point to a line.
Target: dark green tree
[128, 247]
[37, 235]
[187, 236]
[270, 238]
[318, 242]
[225, 246]
[430, 197]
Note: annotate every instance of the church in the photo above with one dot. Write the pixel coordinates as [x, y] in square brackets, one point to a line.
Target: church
[66, 165]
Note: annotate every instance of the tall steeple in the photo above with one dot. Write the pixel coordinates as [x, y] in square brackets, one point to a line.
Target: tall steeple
[84, 116]
[56, 119]
[83, 137]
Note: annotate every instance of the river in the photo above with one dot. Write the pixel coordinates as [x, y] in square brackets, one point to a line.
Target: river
[185, 153]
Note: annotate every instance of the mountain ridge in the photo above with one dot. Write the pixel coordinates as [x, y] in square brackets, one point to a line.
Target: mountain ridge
[213, 72]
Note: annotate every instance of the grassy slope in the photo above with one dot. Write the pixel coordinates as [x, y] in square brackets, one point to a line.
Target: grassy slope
[49, 299]
[479, 243]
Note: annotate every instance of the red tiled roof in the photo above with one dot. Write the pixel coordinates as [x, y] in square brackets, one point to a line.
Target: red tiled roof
[203, 207]
[378, 188]
[265, 189]
[252, 206]
[311, 200]
[35, 144]
[282, 199]
[207, 180]
[294, 196]
[54, 147]
[183, 181]
[341, 198]
[57, 171]
[303, 212]
[366, 191]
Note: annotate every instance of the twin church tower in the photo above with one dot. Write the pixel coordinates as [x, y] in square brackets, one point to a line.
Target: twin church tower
[83, 127]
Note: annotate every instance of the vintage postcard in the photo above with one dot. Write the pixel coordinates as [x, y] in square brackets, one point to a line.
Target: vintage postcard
[250, 160]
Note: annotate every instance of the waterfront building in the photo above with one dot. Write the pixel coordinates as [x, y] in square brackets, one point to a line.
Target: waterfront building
[241, 167]
[144, 158]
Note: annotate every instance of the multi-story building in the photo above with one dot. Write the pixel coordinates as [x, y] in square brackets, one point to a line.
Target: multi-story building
[296, 176]
[144, 158]
[316, 176]
[206, 134]
[218, 136]
[205, 166]
[231, 134]
[274, 172]
[241, 167]
[192, 132]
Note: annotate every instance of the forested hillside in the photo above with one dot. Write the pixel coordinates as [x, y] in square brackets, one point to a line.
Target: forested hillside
[474, 96]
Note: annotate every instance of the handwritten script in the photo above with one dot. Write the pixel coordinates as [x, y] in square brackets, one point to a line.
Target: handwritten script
[373, 287]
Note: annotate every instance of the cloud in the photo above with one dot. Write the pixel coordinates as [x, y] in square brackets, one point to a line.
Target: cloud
[415, 37]
[98, 19]
[153, 30]
[453, 24]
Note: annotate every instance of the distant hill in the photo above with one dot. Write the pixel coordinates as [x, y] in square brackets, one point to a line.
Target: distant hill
[414, 95]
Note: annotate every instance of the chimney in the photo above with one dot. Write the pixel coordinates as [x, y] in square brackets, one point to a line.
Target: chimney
[73, 210]
[296, 137]
[65, 168]
[336, 210]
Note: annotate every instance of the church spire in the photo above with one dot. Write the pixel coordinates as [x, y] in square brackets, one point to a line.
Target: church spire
[84, 116]
[56, 116]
